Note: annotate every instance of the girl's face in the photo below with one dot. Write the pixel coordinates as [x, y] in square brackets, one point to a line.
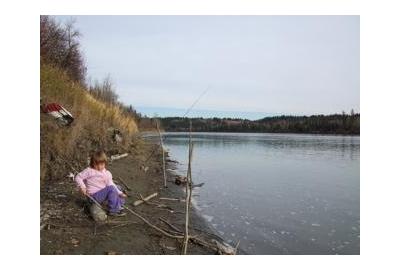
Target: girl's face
[100, 166]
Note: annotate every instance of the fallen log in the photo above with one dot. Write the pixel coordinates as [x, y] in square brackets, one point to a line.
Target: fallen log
[139, 202]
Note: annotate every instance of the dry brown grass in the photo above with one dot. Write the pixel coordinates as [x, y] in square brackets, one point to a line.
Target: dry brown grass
[87, 133]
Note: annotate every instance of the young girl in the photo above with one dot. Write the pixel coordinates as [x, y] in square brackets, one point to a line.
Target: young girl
[97, 182]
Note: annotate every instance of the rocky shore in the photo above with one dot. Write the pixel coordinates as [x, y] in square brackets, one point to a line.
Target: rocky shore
[67, 228]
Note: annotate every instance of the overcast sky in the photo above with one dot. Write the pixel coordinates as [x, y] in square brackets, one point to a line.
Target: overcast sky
[255, 65]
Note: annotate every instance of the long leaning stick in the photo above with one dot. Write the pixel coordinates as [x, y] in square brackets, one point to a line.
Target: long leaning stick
[163, 154]
[188, 193]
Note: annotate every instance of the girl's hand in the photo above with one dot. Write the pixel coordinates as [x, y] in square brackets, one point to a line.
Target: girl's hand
[84, 192]
[122, 195]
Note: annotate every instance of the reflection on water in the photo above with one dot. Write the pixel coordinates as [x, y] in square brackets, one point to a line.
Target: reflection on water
[278, 193]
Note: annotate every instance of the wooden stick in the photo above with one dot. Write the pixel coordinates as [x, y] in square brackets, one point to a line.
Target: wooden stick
[139, 202]
[151, 154]
[125, 184]
[163, 206]
[188, 192]
[237, 247]
[153, 226]
[178, 235]
[163, 155]
[123, 224]
[172, 199]
[95, 202]
[116, 157]
[225, 248]
[170, 225]
[208, 233]
[204, 243]
[193, 228]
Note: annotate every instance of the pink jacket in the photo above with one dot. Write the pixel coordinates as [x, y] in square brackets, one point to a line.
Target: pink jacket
[94, 180]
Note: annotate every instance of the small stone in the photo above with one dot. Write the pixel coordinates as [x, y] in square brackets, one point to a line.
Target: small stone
[74, 241]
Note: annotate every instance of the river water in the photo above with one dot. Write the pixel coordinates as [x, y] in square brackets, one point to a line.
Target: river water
[277, 193]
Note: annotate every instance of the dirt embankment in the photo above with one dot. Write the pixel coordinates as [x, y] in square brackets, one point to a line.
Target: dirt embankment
[66, 228]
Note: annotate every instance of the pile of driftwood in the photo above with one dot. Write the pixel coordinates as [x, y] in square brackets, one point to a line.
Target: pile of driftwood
[219, 246]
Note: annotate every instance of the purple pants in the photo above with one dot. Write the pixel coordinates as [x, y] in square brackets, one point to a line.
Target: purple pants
[110, 193]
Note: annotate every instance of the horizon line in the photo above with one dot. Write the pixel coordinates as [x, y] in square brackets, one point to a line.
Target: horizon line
[164, 112]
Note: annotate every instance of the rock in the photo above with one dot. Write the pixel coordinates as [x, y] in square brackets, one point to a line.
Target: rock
[198, 185]
[168, 247]
[180, 180]
[144, 168]
[75, 242]
[225, 248]
[98, 214]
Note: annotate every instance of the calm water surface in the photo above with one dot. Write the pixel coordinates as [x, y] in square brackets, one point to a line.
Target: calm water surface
[277, 193]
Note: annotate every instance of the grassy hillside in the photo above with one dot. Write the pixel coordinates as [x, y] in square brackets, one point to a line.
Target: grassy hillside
[61, 147]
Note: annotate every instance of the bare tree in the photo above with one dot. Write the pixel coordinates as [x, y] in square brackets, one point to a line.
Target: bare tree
[59, 45]
[104, 91]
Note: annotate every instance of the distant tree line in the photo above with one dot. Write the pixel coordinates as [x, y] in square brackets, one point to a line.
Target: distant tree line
[315, 124]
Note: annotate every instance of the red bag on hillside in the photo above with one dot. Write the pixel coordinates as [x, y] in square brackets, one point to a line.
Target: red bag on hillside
[58, 112]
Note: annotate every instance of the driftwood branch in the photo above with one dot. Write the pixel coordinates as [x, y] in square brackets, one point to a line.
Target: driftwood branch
[116, 157]
[221, 248]
[123, 224]
[172, 199]
[139, 202]
[163, 154]
[124, 183]
[204, 243]
[153, 226]
[188, 193]
[170, 225]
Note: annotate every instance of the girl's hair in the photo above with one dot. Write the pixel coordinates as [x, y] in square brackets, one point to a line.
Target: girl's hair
[98, 157]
